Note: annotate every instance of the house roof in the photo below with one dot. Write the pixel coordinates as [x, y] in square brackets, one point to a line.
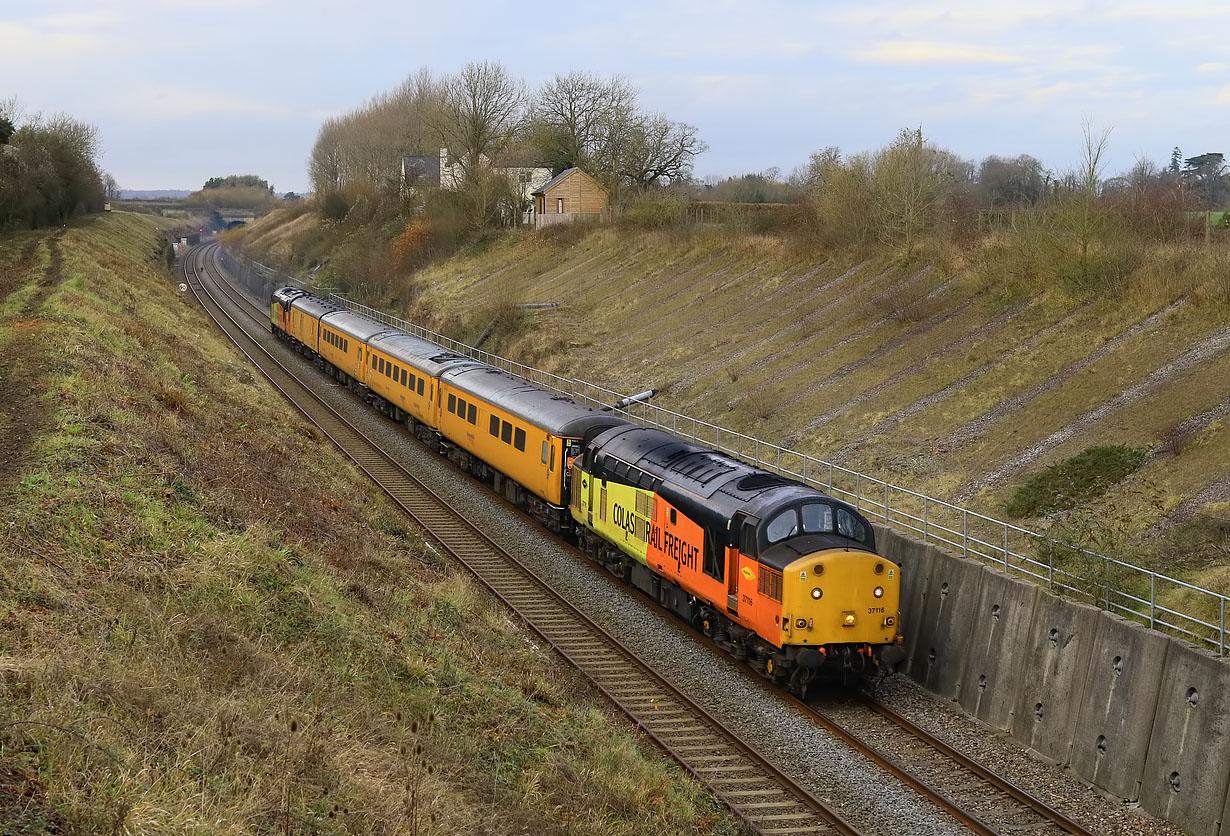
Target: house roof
[424, 169]
[559, 178]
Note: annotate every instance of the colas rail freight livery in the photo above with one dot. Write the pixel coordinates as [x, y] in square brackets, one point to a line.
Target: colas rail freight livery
[772, 570]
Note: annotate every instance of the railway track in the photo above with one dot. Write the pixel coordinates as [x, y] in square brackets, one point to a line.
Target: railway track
[767, 799]
[982, 801]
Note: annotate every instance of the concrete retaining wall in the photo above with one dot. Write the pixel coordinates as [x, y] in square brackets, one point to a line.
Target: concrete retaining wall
[1137, 713]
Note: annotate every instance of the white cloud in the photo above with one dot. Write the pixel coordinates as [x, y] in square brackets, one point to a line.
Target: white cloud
[1223, 97]
[26, 48]
[1213, 67]
[168, 102]
[925, 52]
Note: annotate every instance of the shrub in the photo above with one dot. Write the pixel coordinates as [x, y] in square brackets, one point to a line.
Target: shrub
[1074, 480]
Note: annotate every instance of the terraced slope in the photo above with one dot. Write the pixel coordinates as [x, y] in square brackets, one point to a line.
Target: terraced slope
[946, 380]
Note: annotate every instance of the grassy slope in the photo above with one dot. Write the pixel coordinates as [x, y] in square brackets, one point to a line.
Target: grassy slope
[931, 375]
[210, 623]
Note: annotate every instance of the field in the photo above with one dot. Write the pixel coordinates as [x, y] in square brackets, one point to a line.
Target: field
[210, 623]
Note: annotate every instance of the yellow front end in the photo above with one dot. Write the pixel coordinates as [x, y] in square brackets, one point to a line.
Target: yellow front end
[840, 597]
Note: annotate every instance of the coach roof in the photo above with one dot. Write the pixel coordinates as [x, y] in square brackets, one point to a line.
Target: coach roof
[425, 356]
[555, 413]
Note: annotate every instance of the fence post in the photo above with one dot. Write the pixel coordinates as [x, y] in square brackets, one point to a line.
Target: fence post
[1106, 578]
[924, 513]
[1152, 597]
[965, 531]
[858, 491]
[1005, 548]
[1223, 625]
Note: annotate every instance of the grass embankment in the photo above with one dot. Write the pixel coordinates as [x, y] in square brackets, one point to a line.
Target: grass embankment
[210, 623]
[961, 373]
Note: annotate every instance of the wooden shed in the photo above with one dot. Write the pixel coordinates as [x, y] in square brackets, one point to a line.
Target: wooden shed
[565, 196]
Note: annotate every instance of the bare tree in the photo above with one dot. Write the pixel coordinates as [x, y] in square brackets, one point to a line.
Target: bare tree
[481, 109]
[1087, 218]
[581, 119]
[1011, 182]
[658, 151]
[111, 189]
[909, 181]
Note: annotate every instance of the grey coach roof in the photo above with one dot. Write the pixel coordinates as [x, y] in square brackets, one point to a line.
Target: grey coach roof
[427, 357]
[559, 415]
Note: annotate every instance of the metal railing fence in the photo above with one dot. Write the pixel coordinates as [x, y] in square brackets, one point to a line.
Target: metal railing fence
[1069, 569]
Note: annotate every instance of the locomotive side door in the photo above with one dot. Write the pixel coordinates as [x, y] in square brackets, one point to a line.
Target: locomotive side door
[741, 539]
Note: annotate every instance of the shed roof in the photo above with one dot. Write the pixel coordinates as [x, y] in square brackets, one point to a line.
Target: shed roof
[561, 177]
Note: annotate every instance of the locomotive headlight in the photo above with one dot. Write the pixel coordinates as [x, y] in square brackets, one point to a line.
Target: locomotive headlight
[817, 592]
[878, 592]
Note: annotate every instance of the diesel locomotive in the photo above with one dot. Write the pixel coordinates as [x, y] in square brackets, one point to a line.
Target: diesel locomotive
[774, 571]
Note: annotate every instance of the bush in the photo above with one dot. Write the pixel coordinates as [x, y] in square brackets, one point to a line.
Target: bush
[656, 209]
[1075, 480]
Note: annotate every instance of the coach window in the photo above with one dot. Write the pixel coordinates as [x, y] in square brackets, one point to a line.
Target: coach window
[552, 467]
[472, 414]
[374, 361]
[403, 378]
[506, 433]
[782, 526]
[817, 518]
[452, 403]
[495, 426]
[545, 445]
[420, 385]
[461, 408]
[519, 439]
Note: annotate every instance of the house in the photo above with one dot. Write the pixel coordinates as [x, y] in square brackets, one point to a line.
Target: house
[446, 172]
[569, 195]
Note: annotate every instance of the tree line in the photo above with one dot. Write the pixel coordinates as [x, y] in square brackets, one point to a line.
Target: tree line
[484, 114]
[48, 169]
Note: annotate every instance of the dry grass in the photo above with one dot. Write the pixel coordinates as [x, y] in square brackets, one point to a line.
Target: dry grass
[209, 623]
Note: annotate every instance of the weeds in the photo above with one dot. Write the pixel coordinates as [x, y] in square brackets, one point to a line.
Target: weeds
[1074, 480]
[232, 612]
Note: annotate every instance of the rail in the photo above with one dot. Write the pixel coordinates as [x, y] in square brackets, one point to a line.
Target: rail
[1118, 586]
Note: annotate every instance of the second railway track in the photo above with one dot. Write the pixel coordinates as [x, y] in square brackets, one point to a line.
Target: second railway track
[768, 799]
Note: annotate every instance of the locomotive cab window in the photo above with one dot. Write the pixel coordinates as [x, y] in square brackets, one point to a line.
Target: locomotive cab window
[817, 518]
[849, 526]
[782, 526]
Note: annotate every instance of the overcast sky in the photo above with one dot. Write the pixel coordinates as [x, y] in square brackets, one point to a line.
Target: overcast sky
[183, 90]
